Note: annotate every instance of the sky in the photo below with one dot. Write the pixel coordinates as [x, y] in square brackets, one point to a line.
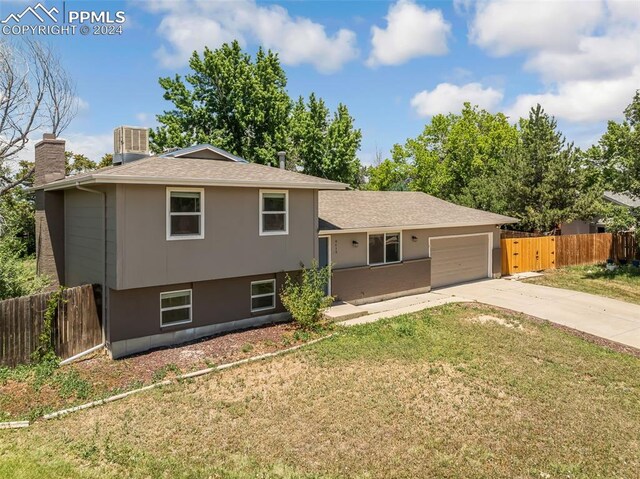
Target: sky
[394, 64]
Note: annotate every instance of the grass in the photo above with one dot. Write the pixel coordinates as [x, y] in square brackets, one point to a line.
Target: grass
[622, 284]
[29, 391]
[457, 391]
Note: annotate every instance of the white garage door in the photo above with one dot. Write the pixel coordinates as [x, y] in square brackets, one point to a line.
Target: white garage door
[459, 259]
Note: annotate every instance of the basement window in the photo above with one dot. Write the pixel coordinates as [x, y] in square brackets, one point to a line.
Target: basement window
[274, 212]
[185, 213]
[175, 308]
[263, 295]
[384, 248]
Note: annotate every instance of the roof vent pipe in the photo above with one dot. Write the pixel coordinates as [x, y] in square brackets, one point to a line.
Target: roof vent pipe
[281, 157]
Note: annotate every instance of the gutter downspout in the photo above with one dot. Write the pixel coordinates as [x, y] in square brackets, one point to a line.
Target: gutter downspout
[104, 258]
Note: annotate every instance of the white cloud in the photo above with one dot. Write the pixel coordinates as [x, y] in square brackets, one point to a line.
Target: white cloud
[412, 31]
[145, 119]
[92, 146]
[586, 54]
[595, 57]
[447, 98]
[81, 104]
[582, 100]
[186, 33]
[506, 26]
[298, 40]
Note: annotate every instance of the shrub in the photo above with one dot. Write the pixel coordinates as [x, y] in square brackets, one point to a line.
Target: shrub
[305, 298]
[17, 275]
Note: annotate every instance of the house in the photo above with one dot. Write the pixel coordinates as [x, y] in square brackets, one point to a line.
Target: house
[384, 244]
[597, 225]
[197, 241]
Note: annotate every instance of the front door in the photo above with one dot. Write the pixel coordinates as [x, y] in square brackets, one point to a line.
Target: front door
[324, 257]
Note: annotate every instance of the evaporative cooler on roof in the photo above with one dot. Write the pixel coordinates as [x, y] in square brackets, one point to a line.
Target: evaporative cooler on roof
[129, 144]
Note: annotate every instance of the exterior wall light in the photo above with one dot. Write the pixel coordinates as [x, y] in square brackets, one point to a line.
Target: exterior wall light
[354, 243]
[414, 238]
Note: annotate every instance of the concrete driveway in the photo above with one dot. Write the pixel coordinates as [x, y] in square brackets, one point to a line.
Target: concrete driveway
[608, 318]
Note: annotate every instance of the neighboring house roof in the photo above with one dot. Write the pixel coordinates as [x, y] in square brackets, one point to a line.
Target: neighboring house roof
[622, 199]
[367, 210]
[196, 172]
[192, 152]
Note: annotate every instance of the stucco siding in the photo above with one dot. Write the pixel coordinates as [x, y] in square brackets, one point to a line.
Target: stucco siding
[232, 245]
[84, 247]
[363, 282]
[136, 312]
[354, 280]
[579, 227]
[345, 255]
[112, 245]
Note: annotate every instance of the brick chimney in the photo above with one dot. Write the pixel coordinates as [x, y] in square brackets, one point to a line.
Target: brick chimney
[50, 166]
[50, 161]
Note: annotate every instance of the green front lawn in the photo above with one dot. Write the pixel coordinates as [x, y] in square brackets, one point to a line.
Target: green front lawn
[623, 283]
[457, 391]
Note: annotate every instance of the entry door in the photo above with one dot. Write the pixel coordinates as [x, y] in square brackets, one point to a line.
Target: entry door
[324, 257]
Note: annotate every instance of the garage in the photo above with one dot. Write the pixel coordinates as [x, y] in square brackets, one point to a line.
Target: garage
[456, 259]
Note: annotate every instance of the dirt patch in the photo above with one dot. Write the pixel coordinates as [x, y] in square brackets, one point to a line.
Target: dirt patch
[614, 346]
[488, 318]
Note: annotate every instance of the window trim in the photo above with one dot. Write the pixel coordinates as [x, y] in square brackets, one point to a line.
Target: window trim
[286, 213]
[385, 233]
[162, 310]
[252, 296]
[168, 214]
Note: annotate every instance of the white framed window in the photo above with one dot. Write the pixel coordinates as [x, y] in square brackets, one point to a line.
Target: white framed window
[175, 308]
[384, 248]
[185, 213]
[263, 295]
[274, 212]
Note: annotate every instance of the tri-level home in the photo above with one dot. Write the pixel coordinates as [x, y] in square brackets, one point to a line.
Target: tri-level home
[198, 241]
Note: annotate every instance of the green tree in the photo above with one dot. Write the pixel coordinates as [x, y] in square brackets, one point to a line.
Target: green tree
[308, 131]
[393, 174]
[457, 157]
[228, 100]
[106, 160]
[241, 105]
[322, 145]
[617, 155]
[549, 180]
[77, 163]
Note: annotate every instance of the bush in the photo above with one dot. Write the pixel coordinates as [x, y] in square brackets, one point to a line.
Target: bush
[305, 298]
[17, 275]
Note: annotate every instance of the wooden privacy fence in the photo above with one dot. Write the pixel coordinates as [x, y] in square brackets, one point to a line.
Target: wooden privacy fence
[528, 254]
[76, 326]
[520, 255]
[573, 250]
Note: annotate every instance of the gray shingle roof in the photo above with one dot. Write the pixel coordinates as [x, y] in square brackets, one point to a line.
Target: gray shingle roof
[361, 210]
[622, 199]
[197, 172]
[202, 146]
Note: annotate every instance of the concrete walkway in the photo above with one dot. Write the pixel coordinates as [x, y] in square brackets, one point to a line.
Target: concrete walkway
[608, 318]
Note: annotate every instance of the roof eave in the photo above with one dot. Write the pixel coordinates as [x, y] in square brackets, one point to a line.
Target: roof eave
[414, 227]
[105, 179]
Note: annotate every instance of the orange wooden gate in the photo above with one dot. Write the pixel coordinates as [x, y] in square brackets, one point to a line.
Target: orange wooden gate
[520, 255]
